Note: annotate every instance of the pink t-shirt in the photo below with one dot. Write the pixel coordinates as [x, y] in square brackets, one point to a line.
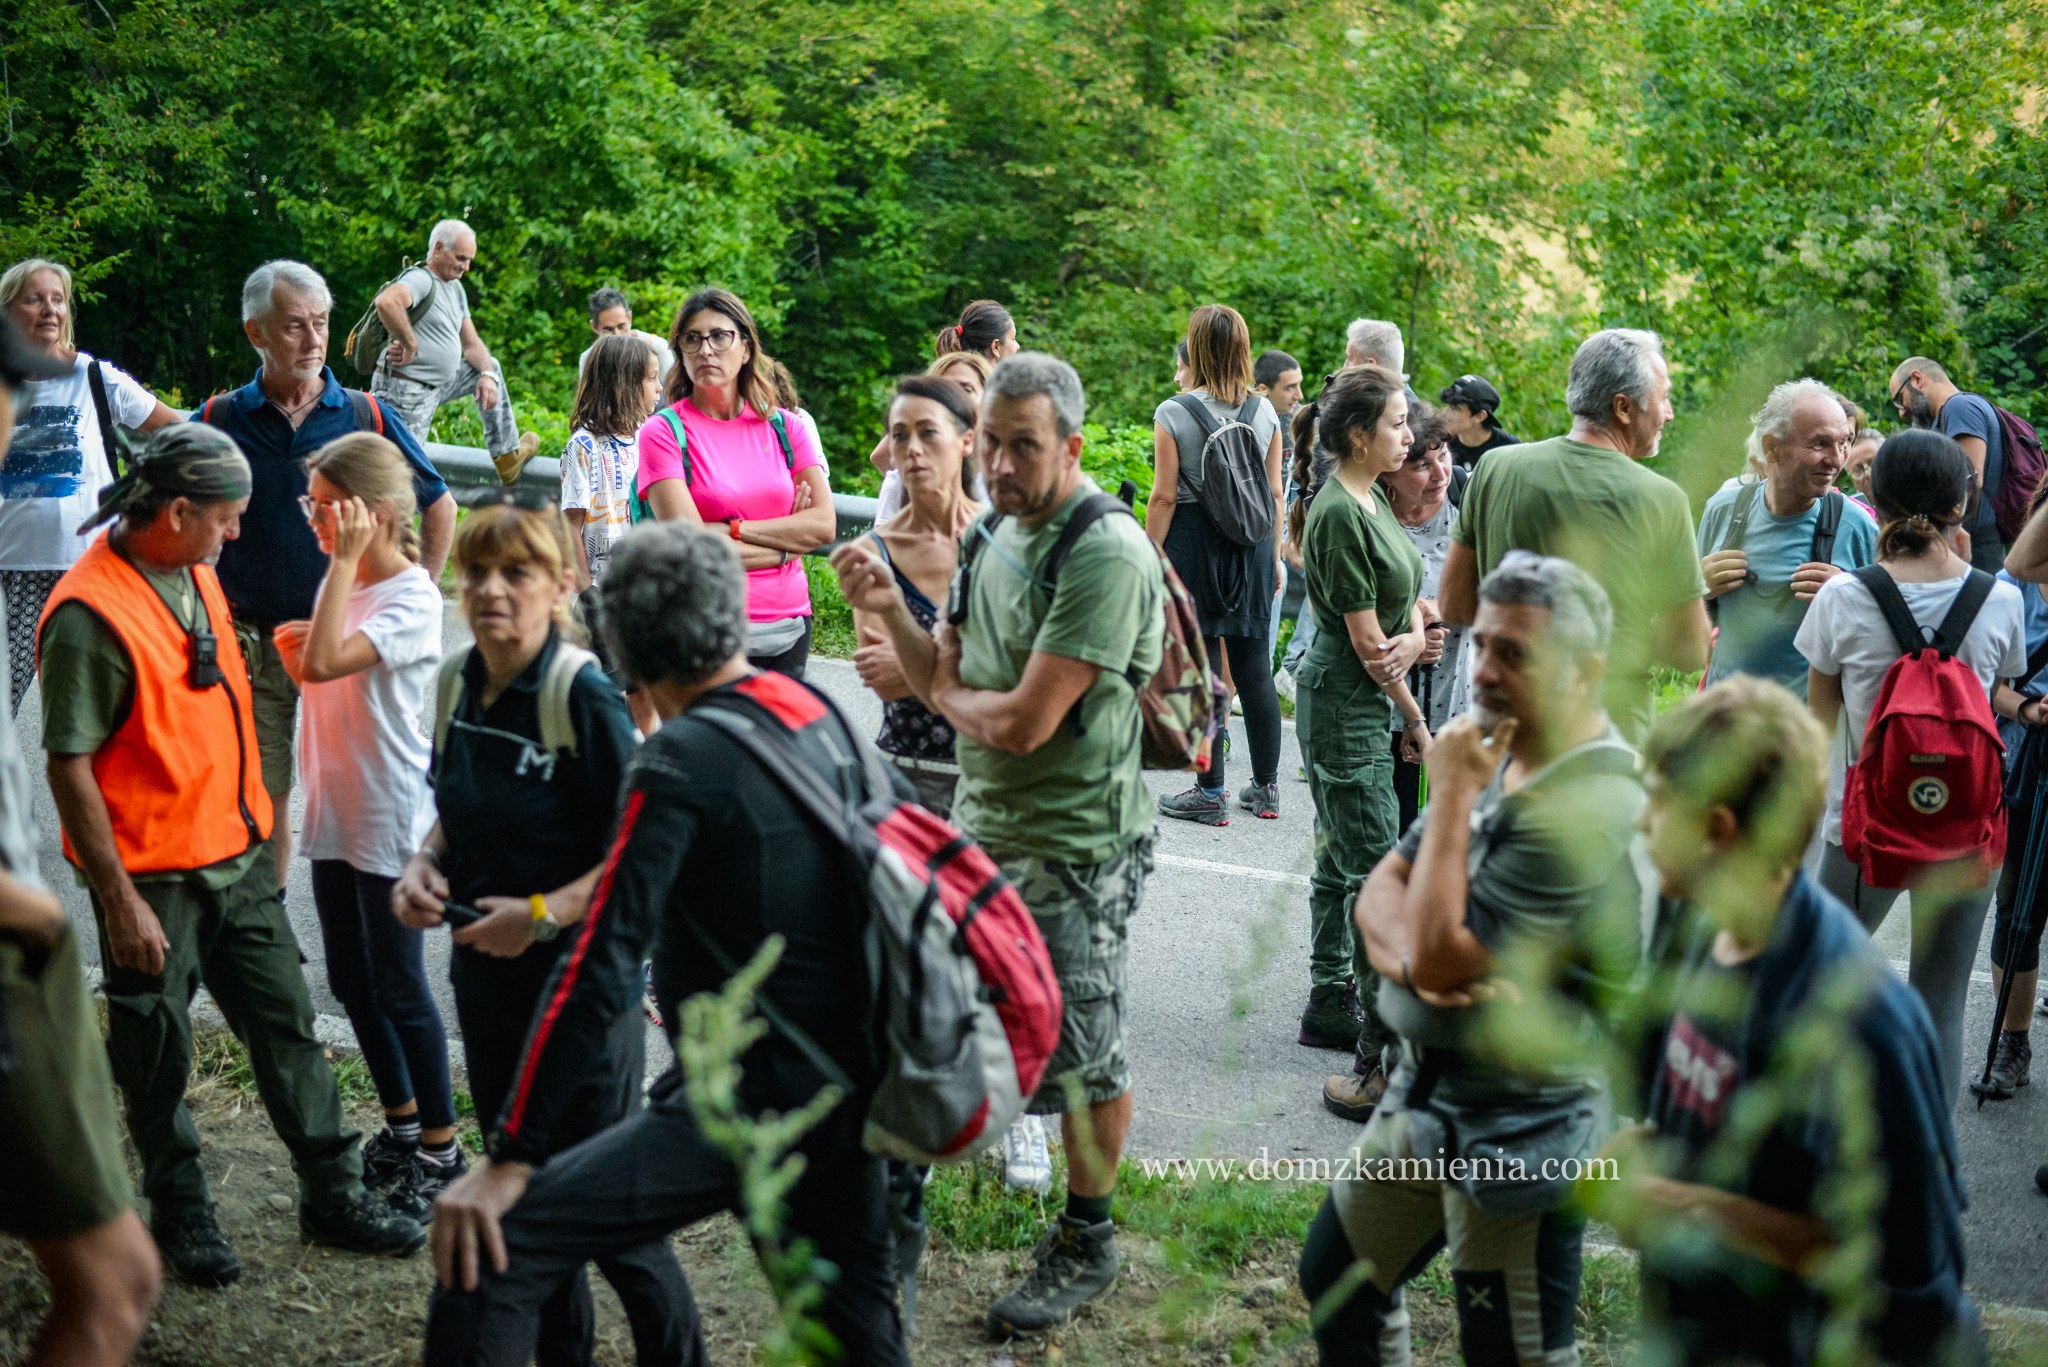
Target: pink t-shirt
[736, 470]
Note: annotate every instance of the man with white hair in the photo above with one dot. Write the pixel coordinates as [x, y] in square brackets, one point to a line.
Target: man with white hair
[291, 409]
[1368, 341]
[1587, 497]
[441, 358]
[1766, 547]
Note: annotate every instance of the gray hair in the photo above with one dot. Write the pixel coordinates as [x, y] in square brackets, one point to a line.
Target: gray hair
[447, 233]
[1774, 419]
[1610, 363]
[1581, 616]
[259, 291]
[1026, 373]
[1371, 338]
[674, 603]
[607, 298]
[16, 280]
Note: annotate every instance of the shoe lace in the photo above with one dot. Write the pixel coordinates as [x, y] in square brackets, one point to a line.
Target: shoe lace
[1059, 1262]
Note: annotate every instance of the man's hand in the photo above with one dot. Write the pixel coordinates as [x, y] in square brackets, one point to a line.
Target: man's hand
[506, 930]
[1807, 579]
[134, 935]
[945, 654]
[1724, 570]
[1465, 760]
[877, 664]
[419, 894]
[486, 392]
[401, 351]
[467, 1220]
[30, 915]
[867, 584]
[1398, 655]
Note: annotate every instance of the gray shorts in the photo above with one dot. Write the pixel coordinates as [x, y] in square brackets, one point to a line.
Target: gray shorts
[1084, 912]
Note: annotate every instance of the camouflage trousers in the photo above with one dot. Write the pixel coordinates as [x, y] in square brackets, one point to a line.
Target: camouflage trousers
[1084, 913]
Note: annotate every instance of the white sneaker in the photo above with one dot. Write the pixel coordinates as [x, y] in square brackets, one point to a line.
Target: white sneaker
[1237, 704]
[1027, 1163]
[1283, 684]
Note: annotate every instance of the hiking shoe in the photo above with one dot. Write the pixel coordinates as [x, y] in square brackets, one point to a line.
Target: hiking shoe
[1283, 684]
[194, 1248]
[385, 1158]
[1237, 704]
[413, 1196]
[362, 1224]
[511, 464]
[1027, 1161]
[1076, 1263]
[1355, 1096]
[1332, 1018]
[1196, 805]
[1262, 800]
[2009, 1067]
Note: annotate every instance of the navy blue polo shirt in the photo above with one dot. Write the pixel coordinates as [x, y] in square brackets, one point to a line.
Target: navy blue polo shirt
[273, 569]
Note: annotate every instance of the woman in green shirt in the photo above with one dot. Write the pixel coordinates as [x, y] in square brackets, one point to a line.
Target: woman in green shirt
[1363, 578]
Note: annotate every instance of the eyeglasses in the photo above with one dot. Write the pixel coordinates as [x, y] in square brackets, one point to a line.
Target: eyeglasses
[720, 340]
[313, 507]
[1899, 394]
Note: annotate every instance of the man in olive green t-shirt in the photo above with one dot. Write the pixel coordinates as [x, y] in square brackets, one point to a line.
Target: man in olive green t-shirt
[1584, 496]
[1039, 688]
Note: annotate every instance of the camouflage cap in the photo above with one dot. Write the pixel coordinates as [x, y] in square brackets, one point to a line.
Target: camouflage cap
[192, 459]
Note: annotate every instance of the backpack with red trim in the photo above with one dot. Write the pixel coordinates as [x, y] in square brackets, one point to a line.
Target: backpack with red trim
[967, 1007]
[1927, 786]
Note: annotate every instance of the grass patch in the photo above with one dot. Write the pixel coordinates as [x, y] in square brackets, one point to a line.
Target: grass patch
[831, 619]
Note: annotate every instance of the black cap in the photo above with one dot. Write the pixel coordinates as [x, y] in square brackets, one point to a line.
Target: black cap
[20, 362]
[1473, 392]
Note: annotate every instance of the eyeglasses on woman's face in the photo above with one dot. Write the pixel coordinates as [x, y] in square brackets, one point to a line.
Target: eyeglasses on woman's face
[313, 507]
[718, 341]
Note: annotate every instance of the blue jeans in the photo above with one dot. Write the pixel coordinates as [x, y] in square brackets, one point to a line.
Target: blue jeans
[1304, 637]
[377, 970]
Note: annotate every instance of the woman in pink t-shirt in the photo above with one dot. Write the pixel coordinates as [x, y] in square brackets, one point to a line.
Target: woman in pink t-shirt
[775, 504]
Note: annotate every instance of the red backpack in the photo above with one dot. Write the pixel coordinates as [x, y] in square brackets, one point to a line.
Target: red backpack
[1928, 785]
[967, 1006]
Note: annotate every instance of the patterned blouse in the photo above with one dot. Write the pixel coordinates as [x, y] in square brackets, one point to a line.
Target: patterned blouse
[909, 728]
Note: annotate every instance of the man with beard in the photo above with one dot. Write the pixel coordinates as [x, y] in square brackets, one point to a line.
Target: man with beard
[1038, 684]
[1923, 395]
[1503, 926]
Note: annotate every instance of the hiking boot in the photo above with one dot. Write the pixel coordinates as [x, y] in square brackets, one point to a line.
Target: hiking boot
[1027, 1160]
[1076, 1263]
[510, 464]
[194, 1248]
[385, 1158]
[1355, 1096]
[1196, 805]
[413, 1196]
[2009, 1066]
[1262, 800]
[1332, 1018]
[362, 1224]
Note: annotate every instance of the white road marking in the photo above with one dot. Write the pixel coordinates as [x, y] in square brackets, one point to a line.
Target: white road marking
[1181, 861]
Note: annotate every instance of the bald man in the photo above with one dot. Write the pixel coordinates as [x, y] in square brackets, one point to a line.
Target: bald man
[1924, 395]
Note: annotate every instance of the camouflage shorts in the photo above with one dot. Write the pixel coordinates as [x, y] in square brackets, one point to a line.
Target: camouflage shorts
[1084, 912]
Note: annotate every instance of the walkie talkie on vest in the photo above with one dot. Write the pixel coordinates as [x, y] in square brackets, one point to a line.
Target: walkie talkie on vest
[203, 654]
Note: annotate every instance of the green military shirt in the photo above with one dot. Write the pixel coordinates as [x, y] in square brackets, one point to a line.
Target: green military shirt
[1358, 558]
[1627, 526]
[88, 683]
[1079, 798]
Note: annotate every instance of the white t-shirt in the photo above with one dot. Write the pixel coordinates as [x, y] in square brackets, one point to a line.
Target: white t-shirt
[361, 753]
[58, 463]
[1844, 633]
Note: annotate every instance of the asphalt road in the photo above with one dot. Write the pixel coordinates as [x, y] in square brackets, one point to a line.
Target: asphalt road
[1218, 956]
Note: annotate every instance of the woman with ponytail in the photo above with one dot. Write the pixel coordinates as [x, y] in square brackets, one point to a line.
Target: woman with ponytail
[985, 327]
[365, 662]
[1922, 485]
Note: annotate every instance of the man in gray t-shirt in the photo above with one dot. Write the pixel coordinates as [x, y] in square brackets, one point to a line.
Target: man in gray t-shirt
[437, 356]
[1924, 395]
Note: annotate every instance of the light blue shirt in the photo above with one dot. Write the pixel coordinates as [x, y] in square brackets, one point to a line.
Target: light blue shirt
[1759, 621]
[2036, 619]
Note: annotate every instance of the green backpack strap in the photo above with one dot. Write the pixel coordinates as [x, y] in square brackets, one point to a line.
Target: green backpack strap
[781, 426]
[642, 511]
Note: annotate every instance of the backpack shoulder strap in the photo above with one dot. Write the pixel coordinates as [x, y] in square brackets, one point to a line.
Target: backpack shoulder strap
[1461, 475]
[675, 425]
[369, 413]
[1955, 623]
[781, 426]
[1738, 520]
[447, 693]
[1200, 410]
[1093, 509]
[557, 729]
[104, 411]
[1906, 632]
[420, 306]
[977, 536]
[1826, 525]
[1249, 413]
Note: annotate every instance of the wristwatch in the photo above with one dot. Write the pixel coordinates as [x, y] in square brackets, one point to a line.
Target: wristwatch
[545, 926]
[732, 528]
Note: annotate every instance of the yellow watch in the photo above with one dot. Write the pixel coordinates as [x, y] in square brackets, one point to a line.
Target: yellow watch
[545, 926]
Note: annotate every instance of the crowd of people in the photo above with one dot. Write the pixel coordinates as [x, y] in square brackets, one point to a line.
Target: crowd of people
[1536, 906]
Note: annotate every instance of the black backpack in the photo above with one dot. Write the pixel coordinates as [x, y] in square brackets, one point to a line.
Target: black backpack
[1229, 472]
[1824, 529]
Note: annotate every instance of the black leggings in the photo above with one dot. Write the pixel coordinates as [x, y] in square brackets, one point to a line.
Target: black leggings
[1251, 665]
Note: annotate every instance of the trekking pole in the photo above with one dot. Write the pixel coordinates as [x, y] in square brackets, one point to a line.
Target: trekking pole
[2024, 895]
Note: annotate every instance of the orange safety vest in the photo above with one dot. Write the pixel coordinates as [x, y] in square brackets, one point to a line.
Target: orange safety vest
[181, 775]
